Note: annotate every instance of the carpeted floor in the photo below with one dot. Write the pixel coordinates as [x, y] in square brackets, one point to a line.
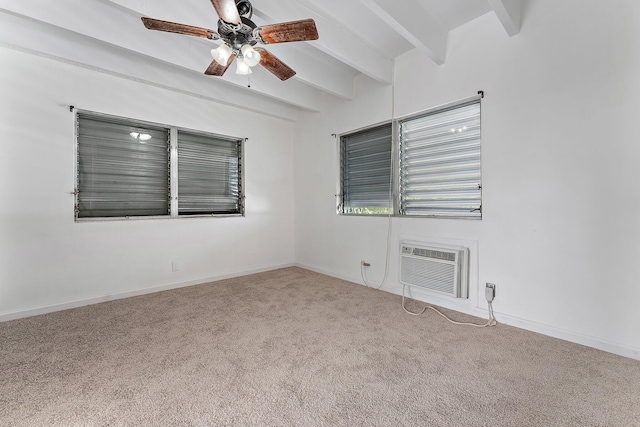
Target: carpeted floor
[295, 348]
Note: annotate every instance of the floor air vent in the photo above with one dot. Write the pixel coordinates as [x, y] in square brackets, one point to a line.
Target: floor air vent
[438, 268]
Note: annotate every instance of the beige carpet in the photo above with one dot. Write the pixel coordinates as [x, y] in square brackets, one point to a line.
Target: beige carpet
[296, 348]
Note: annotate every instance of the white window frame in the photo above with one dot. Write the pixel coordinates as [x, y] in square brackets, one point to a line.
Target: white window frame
[172, 185]
[230, 170]
[362, 210]
[397, 164]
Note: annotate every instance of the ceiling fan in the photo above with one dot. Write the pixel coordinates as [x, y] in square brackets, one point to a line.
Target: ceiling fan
[239, 35]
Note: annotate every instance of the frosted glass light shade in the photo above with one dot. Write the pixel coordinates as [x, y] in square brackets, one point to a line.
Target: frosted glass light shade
[221, 54]
[242, 67]
[250, 55]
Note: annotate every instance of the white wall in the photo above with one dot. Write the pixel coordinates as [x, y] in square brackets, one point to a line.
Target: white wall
[46, 259]
[561, 201]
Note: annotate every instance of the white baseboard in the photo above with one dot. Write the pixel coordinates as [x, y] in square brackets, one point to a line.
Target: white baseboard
[81, 303]
[571, 336]
[552, 331]
[416, 293]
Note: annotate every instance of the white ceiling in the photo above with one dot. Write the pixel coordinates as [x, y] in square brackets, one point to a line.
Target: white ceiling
[356, 37]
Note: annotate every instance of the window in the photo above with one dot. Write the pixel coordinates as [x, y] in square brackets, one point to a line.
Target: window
[120, 174]
[208, 174]
[440, 163]
[366, 171]
[437, 171]
[128, 169]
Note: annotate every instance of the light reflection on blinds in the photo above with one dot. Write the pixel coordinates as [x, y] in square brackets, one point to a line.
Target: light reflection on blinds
[119, 174]
[208, 175]
[367, 170]
[440, 163]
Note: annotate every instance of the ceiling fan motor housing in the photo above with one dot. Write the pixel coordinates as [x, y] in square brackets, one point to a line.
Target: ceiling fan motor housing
[237, 35]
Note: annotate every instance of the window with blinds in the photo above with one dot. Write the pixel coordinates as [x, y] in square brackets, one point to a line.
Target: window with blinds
[127, 168]
[208, 174]
[366, 171]
[428, 165]
[123, 168]
[439, 164]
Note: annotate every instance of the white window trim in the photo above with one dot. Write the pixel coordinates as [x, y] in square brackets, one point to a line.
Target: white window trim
[173, 171]
[395, 147]
[340, 185]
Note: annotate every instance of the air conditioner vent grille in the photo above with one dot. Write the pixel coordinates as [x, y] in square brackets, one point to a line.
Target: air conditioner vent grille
[437, 276]
[429, 253]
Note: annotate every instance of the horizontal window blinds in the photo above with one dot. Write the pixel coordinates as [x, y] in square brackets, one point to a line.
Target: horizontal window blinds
[209, 178]
[123, 169]
[440, 163]
[366, 170]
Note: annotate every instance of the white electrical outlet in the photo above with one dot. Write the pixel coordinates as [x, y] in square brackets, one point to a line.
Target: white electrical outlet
[177, 265]
[490, 292]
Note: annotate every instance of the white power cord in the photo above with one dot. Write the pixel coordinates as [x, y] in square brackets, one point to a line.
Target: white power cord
[386, 263]
[491, 322]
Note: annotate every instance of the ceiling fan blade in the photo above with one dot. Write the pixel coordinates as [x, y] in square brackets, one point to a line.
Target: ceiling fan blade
[227, 11]
[295, 31]
[173, 27]
[274, 65]
[216, 69]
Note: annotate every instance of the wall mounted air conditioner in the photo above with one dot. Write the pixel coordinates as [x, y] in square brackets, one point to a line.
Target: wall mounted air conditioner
[439, 268]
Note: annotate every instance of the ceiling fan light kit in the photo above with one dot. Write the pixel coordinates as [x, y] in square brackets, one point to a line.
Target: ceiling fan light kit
[239, 35]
